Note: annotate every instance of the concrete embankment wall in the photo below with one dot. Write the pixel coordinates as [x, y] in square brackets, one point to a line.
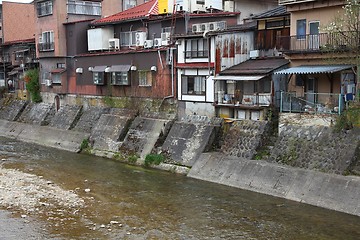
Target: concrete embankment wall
[331, 191]
[46, 136]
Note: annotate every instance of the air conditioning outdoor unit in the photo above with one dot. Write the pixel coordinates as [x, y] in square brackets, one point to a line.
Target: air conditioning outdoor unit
[114, 43]
[48, 82]
[204, 27]
[217, 26]
[157, 42]
[140, 38]
[165, 38]
[195, 28]
[254, 54]
[148, 43]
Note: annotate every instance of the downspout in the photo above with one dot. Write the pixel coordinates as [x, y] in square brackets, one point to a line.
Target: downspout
[172, 75]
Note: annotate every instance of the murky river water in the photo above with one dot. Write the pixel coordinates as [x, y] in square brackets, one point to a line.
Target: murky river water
[151, 204]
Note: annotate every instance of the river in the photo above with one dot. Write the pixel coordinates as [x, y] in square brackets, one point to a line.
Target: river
[129, 202]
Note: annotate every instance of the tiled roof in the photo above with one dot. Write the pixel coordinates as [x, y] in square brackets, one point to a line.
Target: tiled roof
[140, 11]
[256, 66]
[275, 12]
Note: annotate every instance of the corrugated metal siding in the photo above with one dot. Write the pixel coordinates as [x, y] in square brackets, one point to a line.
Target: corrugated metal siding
[232, 49]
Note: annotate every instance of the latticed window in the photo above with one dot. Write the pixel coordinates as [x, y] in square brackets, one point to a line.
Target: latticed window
[145, 78]
[194, 85]
[120, 78]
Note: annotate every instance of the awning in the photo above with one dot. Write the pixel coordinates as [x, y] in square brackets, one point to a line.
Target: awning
[99, 69]
[58, 70]
[13, 72]
[23, 50]
[314, 69]
[119, 68]
[240, 78]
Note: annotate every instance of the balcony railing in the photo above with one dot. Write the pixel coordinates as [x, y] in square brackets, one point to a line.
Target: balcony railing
[317, 103]
[84, 8]
[255, 99]
[196, 54]
[337, 41]
[47, 46]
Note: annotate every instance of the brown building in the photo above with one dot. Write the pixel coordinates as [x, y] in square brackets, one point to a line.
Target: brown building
[18, 47]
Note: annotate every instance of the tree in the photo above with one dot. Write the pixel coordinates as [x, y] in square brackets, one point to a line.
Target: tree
[32, 84]
[344, 36]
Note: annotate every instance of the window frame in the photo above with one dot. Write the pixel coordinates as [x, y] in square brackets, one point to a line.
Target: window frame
[185, 84]
[301, 29]
[48, 44]
[84, 7]
[115, 81]
[145, 78]
[196, 48]
[99, 78]
[44, 8]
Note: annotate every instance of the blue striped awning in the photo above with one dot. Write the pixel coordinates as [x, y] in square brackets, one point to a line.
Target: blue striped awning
[314, 69]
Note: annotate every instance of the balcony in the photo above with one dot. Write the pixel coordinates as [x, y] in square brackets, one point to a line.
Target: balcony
[288, 2]
[46, 46]
[323, 42]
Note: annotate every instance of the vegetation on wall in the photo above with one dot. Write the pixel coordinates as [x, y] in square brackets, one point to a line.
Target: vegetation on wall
[32, 84]
[349, 118]
[153, 159]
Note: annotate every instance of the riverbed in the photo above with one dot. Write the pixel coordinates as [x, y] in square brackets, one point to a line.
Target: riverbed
[62, 195]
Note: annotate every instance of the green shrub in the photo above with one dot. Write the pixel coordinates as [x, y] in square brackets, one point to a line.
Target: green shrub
[84, 144]
[33, 85]
[133, 158]
[153, 159]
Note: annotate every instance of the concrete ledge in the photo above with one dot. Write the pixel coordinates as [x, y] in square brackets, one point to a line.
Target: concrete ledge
[46, 136]
[335, 192]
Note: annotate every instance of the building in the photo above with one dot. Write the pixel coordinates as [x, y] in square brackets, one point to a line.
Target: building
[18, 46]
[319, 75]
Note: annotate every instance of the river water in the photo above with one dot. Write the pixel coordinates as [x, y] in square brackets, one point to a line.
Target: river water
[150, 204]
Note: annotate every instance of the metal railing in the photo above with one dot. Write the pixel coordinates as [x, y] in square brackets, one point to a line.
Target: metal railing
[285, 2]
[337, 41]
[317, 103]
[47, 46]
[255, 99]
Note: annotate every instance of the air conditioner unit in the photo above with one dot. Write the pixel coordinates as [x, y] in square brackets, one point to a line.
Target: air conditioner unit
[157, 42]
[114, 43]
[217, 26]
[48, 82]
[254, 54]
[148, 43]
[204, 27]
[140, 38]
[165, 38]
[195, 28]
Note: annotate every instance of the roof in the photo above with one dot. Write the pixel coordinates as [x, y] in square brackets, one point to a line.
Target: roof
[240, 78]
[256, 67]
[30, 40]
[314, 69]
[138, 12]
[275, 12]
[79, 21]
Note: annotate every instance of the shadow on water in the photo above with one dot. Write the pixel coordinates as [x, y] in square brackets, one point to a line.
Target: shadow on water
[151, 204]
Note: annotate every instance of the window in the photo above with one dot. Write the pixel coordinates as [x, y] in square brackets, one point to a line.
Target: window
[46, 41]
[84, 7]
[301, 29]
[145, 78]
[196, 48]
[128, 4]
[120, 78]
[193, 85]
[99, 78]
[56, 78]
[128, 38]
[60, 65]
[44, 8]
[44, 76]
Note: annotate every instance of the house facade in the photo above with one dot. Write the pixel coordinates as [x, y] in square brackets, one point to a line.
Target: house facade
[18, 46]
[320, 74]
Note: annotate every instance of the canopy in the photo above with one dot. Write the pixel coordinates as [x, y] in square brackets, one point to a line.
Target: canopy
[314, 69]
[240, 78]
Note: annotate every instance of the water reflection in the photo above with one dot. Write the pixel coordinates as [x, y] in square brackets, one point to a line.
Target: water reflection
[151, 204]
